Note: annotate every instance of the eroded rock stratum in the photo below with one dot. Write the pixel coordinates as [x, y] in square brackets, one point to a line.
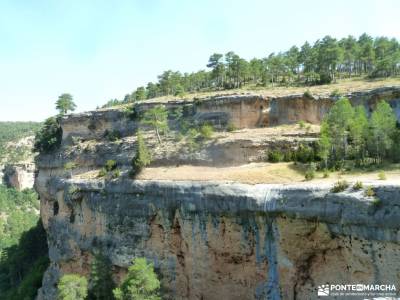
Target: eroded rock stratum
[212, 240]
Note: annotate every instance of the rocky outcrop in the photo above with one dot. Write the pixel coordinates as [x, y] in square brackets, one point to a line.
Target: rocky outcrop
[224, 241]
[241, 111]
[215, 240]
[19, 175]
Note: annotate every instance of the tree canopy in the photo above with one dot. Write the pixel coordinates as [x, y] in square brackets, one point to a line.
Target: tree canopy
[321, 62]
[65, 103]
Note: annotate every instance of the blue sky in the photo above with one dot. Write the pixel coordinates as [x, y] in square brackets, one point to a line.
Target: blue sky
[98, 50]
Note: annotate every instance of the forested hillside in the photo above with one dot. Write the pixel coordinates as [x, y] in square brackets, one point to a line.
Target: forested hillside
[23, 247]
[12, 132]
[324, 61]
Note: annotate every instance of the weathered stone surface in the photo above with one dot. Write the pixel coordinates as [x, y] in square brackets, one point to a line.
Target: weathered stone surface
[19, 176]
[243, 111]
[216, 240]
[229, 241]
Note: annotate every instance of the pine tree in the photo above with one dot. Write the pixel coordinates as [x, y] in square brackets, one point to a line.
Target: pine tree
[142, 157]
[140, 283]
[101, 281]
[382, 129]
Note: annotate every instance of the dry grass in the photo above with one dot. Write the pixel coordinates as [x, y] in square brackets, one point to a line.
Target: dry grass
[255, 173]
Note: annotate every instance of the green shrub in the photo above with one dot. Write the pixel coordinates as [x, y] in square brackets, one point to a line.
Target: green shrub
[307, 94]
[116, 174]
[112, 135]
[102, 172]
[48, 138]
[206, 131]
[326, 173]
[305, 154]
[275, 156]
[191, 139]
[141, 282]
[302, 124]
[369, 192]
[72, 287]
[142, 157]
[382, 175]
[310, 172]
[130, 112]
[340, 186]
[110, 165]
[69, 166]
[358, 185]
[376, 202]
[231, 127]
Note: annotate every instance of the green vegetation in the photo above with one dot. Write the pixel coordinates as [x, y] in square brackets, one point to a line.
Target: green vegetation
[206, 131]
[348, 135]
[157, 117]
[112, 135]
[310, 172]
[382, 175]
[65, 103]
[23, 245]
[275, 156]
[369, 192]
[231, 127]
[48, 138]
[72, 287]
[307, 94]
[358, 185]
[140, 283]
[12, 132]
[101, 282]
[110, 170]
[323, 62]
[340, 186]
[142, 157]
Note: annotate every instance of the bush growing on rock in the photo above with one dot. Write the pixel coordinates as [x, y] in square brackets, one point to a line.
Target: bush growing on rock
[358, 186]
[206, 131]
[275, 156]
[112, 135]
[231, 127]
[141, 282]
[48, 138]
[310, 172]
[382, 175]
[340, 186]
[142, 157]
[72, 287]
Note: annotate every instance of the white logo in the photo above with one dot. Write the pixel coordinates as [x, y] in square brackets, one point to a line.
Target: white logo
[323, 290]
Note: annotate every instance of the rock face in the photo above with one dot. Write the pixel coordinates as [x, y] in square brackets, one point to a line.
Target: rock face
[224, 241]
[242, 111]
[19, 176]
[215, 240]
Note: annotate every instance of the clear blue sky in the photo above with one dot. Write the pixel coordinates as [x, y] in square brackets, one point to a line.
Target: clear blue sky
[97, 50]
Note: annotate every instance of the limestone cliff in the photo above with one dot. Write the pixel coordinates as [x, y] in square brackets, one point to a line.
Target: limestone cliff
[215, 240]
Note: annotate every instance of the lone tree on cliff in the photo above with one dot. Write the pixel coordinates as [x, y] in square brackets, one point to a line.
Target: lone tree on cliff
[140, 283]
[65, 103]
[157, 117]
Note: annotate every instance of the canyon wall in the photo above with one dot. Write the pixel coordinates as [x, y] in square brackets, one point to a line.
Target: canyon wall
[215, 240]
[242, 111]
[223, 241]
[19, 175]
